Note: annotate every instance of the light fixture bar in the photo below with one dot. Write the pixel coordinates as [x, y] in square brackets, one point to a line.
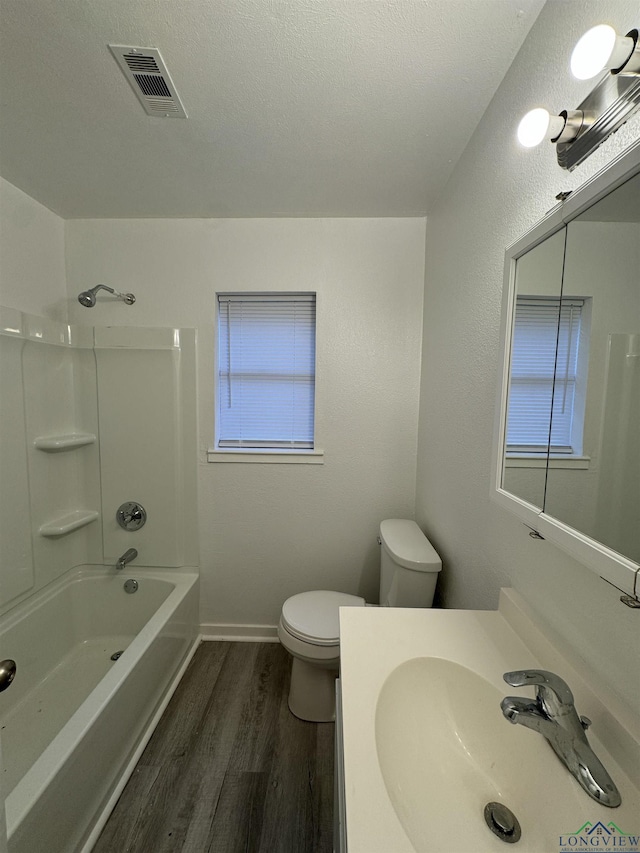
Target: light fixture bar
[577, 133]
[608, 106]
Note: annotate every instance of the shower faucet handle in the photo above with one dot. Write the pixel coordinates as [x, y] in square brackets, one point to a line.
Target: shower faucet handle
[131, 515]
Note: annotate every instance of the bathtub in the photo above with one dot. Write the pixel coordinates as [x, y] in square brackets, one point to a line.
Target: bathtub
[74, 721]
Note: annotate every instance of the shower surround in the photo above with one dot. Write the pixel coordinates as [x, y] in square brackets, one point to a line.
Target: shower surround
[90, 418]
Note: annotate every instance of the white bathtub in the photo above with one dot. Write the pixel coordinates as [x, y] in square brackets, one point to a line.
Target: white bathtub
[74, 722]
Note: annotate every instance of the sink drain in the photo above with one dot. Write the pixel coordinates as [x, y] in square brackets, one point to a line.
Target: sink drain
[502, 822]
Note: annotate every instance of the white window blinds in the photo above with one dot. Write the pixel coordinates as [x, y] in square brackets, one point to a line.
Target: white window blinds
[266, 359]
[546, 333]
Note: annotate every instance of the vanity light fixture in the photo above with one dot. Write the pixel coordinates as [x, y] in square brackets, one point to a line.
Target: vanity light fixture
[577, 133]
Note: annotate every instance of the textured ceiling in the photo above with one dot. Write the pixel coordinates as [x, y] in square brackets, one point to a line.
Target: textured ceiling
[296, 107]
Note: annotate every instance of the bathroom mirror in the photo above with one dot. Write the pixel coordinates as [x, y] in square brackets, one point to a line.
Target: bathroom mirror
[602, 268]
[538, 290]
[568, 438]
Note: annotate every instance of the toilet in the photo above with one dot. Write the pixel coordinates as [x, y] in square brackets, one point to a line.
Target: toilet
[309, 626]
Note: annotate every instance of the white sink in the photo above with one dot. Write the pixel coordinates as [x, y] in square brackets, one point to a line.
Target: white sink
[426, 746]
[445, 751]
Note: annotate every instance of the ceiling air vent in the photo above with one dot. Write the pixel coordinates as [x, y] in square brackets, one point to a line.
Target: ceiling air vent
[147, 74]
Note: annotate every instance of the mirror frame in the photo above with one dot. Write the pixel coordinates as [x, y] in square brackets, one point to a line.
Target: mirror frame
[610, 565]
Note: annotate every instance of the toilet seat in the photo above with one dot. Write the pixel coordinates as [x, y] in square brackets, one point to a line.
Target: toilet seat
[313, 617]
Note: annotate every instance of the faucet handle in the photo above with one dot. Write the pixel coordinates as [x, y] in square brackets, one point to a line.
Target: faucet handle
[552, 692]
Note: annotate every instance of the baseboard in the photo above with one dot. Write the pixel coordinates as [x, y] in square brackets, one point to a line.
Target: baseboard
[239, 633]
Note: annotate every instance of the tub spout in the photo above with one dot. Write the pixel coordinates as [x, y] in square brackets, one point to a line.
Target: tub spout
[127, 557]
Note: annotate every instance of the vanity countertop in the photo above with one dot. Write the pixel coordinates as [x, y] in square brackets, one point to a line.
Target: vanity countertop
[376, 641]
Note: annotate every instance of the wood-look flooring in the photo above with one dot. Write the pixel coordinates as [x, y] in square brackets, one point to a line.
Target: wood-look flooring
[229, 768]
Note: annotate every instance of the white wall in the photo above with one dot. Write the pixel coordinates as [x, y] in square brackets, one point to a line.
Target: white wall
[268, 531]
[32, 269]
[497, 192]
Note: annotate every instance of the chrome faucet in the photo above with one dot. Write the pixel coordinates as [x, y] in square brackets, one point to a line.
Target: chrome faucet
[553, 715]
[129, 555]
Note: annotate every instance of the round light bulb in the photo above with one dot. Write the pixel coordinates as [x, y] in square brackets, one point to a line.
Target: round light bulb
[533, 127]
[599, 48]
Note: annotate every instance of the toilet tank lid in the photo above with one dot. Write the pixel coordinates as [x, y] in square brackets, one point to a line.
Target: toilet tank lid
[408, 546]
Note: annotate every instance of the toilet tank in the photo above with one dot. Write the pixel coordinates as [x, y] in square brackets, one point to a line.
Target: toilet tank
[409, 565]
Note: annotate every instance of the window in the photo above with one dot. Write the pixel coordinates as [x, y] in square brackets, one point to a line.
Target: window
[266, 371]
[549, 339]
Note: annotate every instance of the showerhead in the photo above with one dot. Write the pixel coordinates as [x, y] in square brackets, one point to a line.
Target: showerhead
[88, 297]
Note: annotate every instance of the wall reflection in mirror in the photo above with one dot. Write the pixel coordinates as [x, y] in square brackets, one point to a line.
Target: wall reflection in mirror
[533, 356]
[573, 420]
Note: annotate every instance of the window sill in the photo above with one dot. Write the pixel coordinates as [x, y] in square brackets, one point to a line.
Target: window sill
[287, 457]
[523, 460]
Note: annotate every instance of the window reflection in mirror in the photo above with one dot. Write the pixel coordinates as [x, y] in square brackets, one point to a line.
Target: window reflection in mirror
[533, 355]
[602, 266]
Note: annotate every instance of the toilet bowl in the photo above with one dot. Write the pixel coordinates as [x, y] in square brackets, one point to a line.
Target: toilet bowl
[309, 626]
[309, 629]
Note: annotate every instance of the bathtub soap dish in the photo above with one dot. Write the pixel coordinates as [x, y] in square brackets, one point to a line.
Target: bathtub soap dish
[66, 523]
[59, 443]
